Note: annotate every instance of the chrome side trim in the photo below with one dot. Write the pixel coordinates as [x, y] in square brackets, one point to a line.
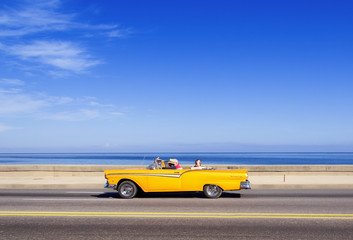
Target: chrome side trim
[148, 174]
[175, 175]
[245, 185]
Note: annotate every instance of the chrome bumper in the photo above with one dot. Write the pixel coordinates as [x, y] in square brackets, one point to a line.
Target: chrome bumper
[107, 185]
[245, 185]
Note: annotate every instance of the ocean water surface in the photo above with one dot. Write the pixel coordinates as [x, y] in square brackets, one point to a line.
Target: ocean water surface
[227, 158]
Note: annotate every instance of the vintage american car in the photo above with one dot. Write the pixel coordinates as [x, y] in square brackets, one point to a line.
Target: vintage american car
[156, 179]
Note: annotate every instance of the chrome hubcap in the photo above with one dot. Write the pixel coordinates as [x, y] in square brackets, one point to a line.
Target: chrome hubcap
[212, 190]
[126, 190]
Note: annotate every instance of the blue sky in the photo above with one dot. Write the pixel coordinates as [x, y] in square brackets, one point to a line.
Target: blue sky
[117, 76]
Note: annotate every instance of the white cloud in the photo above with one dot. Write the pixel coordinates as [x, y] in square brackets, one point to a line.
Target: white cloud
[34, 17]
[116, 113]
[78, 115]
[29, 17]
[63, 100]
[4, 128]
[19, 103]
[46, 49]
[61, 108]
[94, 103]
[119, 33]
[38, 16]
[10, 90]
[9, 81]
[62, 55]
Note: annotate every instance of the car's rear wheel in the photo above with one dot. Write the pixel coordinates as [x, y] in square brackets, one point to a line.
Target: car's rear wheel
[212, 191]
[127, 189]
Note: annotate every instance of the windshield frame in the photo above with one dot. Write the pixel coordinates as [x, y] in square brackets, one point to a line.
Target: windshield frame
[156, 165]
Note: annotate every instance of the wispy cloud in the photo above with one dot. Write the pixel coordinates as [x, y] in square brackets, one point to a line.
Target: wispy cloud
[78, 115]
[33, 17]
[8, 85]
[11, 81]
[22, 25]
[38, 16]
[14, 102]
[10, 90]
[4, 128]
[83, 112]
[119, 33]
[60, 108]
[62, 55]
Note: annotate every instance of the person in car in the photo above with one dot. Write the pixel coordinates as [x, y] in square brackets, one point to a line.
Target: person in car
[176, 163]
[173, 164]
[197, 163]
[159, 162]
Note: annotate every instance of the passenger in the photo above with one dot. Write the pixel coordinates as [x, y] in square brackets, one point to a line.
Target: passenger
[173, 164]
[176, 163]
[198, 165]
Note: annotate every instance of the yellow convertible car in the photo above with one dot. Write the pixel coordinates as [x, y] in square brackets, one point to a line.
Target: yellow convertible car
[156, 178]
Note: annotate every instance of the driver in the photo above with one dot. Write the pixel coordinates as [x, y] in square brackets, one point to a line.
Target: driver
[159, 163]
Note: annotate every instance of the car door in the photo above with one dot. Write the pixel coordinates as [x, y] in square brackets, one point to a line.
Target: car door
[164, 180]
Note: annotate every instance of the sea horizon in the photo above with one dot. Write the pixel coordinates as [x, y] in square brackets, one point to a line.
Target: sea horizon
[187, 158]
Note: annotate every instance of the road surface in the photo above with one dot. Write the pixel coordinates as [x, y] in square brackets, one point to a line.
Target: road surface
[247, 214]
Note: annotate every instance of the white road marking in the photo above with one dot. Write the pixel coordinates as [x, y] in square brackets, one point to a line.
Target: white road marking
[181, 215]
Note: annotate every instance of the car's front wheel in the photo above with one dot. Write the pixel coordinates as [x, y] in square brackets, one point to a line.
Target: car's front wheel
[127, 189]
[212, 191]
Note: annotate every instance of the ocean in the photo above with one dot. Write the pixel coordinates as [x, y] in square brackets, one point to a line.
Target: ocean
[212, 158]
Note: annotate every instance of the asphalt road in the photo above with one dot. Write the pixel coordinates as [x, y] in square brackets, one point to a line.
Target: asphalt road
[248, 214]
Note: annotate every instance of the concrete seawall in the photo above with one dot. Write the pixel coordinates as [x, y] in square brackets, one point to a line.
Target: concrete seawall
[92, 176]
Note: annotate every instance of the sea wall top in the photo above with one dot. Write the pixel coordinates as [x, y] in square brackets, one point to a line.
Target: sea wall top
[250, 168]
